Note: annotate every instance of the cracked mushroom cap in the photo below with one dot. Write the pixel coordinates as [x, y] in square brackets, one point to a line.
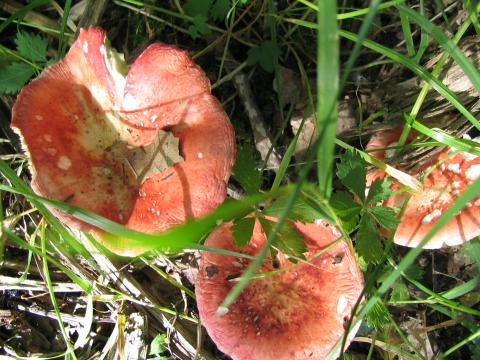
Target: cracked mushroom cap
[298, 313]
[100, 135]
[455, 172]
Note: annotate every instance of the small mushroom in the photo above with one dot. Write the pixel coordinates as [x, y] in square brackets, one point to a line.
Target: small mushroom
[452, 173]
[297, 312]
[87, 120]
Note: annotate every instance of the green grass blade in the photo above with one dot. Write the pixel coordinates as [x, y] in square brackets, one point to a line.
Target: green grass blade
[22, 12]
[419, 71]
[177, 238]
[85, 285]
[407, 34]
[48, 283]
[459, 345]
[469, 194]
[327, 87]
[20, 185]
[447, 44]
[444, 138]
[62, 44]
[408, 63]
[362, 34]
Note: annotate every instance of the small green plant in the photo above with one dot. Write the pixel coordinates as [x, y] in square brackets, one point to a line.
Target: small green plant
[32, 56]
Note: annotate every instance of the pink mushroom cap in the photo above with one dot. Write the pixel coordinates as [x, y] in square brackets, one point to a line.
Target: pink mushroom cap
[72, 117]
[454, 173]
[298, 313]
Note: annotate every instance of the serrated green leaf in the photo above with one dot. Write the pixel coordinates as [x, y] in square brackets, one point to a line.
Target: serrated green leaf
[244, 170]
[288, 240]
[378, 316]
[266, 55]
[385, 216]
[199, 26]
[414, 272]
[242, 230]
[352, 172]
[306, 208]
[399, 292]
[379, 191]
[368, 244]
[346, 209]
[472, 250]
[198, 7]
[31, 46]
[14, 76]
[220, 10]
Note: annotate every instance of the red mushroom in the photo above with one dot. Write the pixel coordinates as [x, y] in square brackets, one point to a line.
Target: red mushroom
[86, 120]
[298, 313]
[455, 172]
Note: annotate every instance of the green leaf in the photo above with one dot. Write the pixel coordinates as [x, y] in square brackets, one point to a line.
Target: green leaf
[352, 172]
[379, 191]
[385, 216]
[346, 209]
[368, 244]
[242, 230]
[220, 10]
[306, 208]
[244, 170]
[31, 46]
[266, 55]
[378, 316]
[414, 272]
[399, 292]
[198, 7]
[472, 250]
[199, 27]
[159, 344]
[14, 76]
[288, 240]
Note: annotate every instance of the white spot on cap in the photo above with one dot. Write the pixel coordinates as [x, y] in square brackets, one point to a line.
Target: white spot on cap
[129, 102]
[341, 304]
[153, 118]
[200, 155]
[318, 221]
[38, 117]
[427, 219]
[85, 47]
[102, 49]
[64, 163]
[477, 202]
[455, 168]
[456, 184]
[47, 138]
[473, 172]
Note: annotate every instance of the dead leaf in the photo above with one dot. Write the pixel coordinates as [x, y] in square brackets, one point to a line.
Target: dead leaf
[147, 161]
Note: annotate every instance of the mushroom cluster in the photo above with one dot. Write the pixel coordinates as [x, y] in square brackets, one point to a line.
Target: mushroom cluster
[295, 311]
[146, 145]
[445, 177]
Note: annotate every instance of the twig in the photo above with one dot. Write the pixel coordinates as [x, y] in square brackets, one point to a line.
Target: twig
[263, 142]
